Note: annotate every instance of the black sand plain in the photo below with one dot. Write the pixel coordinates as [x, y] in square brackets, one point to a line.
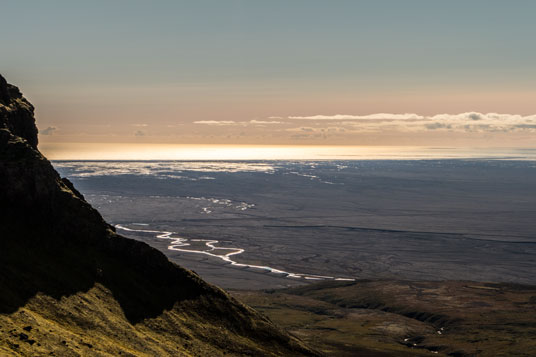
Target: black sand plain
[379, 219]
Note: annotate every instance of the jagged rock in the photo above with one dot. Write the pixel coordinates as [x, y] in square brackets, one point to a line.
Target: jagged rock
[16, 113]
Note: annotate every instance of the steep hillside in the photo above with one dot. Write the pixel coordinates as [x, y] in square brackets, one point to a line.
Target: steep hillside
[69, 285]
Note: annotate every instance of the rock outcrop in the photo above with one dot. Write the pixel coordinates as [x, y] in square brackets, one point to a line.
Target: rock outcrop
[16, 113]
[69, 285]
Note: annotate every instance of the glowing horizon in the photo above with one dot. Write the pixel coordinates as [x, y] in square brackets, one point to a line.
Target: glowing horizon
[133, 152]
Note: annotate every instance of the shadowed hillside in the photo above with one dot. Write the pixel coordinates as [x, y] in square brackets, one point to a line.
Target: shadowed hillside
[71, 286]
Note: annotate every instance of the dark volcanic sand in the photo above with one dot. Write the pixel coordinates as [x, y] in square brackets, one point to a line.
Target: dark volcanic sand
[448, 219]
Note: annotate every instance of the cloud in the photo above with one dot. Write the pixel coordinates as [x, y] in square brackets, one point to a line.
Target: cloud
[216, 122]
[300, 136]
[437, 125]
[480, 122]
[475, 116]
[140, 125]
[139, 133]
[377, 116]
[48, 131]
[265, 122]
[411, 122]
[347, 126]
[526, 126]
[232, 122]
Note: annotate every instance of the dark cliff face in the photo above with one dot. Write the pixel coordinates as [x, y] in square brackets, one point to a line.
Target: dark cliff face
[53, 244]
[43, 213]
[16, 113]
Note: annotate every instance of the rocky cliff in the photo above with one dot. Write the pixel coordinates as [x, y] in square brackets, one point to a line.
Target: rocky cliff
[69, 285]
[16, 113]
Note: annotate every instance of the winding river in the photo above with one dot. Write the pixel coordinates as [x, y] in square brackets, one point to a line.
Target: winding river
[226, 254]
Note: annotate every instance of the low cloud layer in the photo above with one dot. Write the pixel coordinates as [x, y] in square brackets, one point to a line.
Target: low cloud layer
[463, 122]
[468, 129]
[48, 131]
[384, 116]
[215, 122]
[232, 122]
[382, 122]
[264, 122]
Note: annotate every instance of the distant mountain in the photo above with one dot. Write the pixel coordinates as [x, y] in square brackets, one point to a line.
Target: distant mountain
[70, 286]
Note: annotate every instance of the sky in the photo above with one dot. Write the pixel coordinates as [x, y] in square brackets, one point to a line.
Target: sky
[299, 72]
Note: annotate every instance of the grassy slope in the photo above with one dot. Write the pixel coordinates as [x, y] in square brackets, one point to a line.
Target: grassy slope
[93, 323]
[391, 316]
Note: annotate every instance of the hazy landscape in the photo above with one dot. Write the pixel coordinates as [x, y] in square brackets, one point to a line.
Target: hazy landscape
[267, 178]
[405, 219]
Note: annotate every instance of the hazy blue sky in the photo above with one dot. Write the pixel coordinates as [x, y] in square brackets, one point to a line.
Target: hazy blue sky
[148, 70]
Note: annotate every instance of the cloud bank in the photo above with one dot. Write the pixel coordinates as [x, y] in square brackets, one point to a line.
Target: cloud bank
[215, 122]
[232, 122]
[467, 128]
[377, 116]
[462, 122]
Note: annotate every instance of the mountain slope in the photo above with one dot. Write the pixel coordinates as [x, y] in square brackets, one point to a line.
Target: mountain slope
[69, 285]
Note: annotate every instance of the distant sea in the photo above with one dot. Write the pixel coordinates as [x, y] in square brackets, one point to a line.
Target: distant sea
[99, 151]
[436, 217]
